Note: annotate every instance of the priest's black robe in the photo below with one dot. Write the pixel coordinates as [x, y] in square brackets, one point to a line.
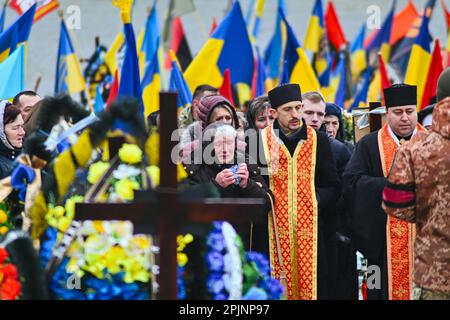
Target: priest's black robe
[363, 187]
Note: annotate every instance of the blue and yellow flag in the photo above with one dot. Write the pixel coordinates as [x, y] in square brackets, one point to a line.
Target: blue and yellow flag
[400, 57]
[130, 84]
[69, 77]
[297, 66]
[381, 42]
[12, 74]
[361, 97]
[151, 40]
[149, 59]
[17, 33]
[151, 86]
[358, 54]
[274, 51]
[259, 13]
[419, 61]
[178, 83]
[316, 28]
[228, 48]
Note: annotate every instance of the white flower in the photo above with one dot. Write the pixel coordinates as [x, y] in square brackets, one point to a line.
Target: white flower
[125, 171]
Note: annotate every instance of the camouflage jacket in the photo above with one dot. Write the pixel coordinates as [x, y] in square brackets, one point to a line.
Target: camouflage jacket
[418, 191]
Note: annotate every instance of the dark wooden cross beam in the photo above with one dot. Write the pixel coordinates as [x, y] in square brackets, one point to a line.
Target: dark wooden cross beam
[167, 210]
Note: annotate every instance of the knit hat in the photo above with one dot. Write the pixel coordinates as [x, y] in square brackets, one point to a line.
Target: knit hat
[333, 110]
[207, 105]
[443, 85]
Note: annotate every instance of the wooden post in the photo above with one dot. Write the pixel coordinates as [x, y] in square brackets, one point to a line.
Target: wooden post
[168, 197]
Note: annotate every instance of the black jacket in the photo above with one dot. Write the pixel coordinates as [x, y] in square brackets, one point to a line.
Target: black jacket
[7, 158]
[255, 237]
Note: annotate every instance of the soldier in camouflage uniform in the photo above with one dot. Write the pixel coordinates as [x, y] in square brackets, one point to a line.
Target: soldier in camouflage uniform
[418, 191]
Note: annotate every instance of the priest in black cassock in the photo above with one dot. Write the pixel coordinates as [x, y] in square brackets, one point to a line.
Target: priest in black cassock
[385, 242]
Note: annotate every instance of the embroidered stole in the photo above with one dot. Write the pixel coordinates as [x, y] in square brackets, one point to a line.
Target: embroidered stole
[399, 234]
[296, 212]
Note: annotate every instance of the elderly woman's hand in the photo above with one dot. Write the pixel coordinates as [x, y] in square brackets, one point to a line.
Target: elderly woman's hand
[225, 178]
[243, 174]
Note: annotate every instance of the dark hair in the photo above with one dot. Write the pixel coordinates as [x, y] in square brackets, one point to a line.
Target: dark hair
[16, 100]
[256, 106]
[201, 89]
[11, 113]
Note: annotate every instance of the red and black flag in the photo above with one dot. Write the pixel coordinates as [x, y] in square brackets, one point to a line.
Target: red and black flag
[179, 45]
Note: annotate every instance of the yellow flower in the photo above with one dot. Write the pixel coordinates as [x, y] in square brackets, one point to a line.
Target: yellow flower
[153, 172]
[130, 153]
[96, 170]
[182, 259]
[125, 189]
[70, 205]
[64, 223]
[58, 212]
[114, 258]
[134, 271]
[3, 230]
[3, 216]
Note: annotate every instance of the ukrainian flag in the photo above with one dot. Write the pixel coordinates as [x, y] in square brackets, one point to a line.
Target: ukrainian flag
[361, 96]
[130, 85]
[316, 28]
[297, 67]
[325, 82]
[420, 59]
[178, 83]
[151, 86]
[228, 48]
[358, 54]
[149, 60]
[69, 77]
[151, 39]
[259, 14]
[274, 51]
[17, 33]
[381, 42]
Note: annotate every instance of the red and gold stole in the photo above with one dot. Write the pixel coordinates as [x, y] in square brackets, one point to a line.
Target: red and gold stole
[296, 213]
[399, 234]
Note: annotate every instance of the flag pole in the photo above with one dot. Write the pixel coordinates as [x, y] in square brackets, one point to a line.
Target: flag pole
[37, 83]
[85, 90]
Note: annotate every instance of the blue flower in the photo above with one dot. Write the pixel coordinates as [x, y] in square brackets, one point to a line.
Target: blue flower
[214, 261]
[256, 294]
[274, 288]
[216, 241]
[215, 284]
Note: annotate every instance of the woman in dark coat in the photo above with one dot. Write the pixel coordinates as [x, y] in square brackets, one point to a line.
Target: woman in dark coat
[11, 137]
[229, 174]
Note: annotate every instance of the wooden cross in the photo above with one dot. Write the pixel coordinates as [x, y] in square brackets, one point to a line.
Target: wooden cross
[166, 211]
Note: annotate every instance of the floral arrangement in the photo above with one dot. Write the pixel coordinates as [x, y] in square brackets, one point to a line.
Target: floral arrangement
[9, 278]
[124, 180]
[231, 273]
[105, 261]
